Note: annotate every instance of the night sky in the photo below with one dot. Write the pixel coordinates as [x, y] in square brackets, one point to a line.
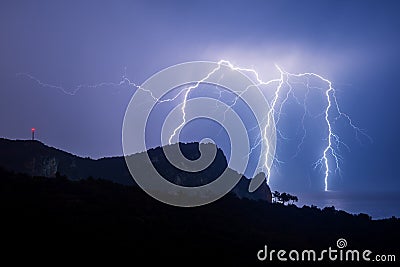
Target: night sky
[355, 44]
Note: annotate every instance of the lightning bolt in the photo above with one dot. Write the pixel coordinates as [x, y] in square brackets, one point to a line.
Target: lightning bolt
[328, 148]
[275, 111]
[283, 91]
[187, 92]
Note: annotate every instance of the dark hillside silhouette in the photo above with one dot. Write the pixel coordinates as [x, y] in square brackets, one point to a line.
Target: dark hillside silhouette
[37, 159]
[98, 220]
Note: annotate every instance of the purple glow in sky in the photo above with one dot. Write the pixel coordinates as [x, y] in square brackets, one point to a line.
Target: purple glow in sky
[353, 43]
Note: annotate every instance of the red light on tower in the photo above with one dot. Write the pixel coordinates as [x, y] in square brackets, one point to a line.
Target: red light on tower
[33, 133]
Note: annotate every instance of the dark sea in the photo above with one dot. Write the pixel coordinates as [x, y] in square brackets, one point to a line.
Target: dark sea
[379, 205]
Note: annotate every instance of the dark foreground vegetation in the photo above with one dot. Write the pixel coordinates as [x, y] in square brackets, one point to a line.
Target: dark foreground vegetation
[56, 220]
